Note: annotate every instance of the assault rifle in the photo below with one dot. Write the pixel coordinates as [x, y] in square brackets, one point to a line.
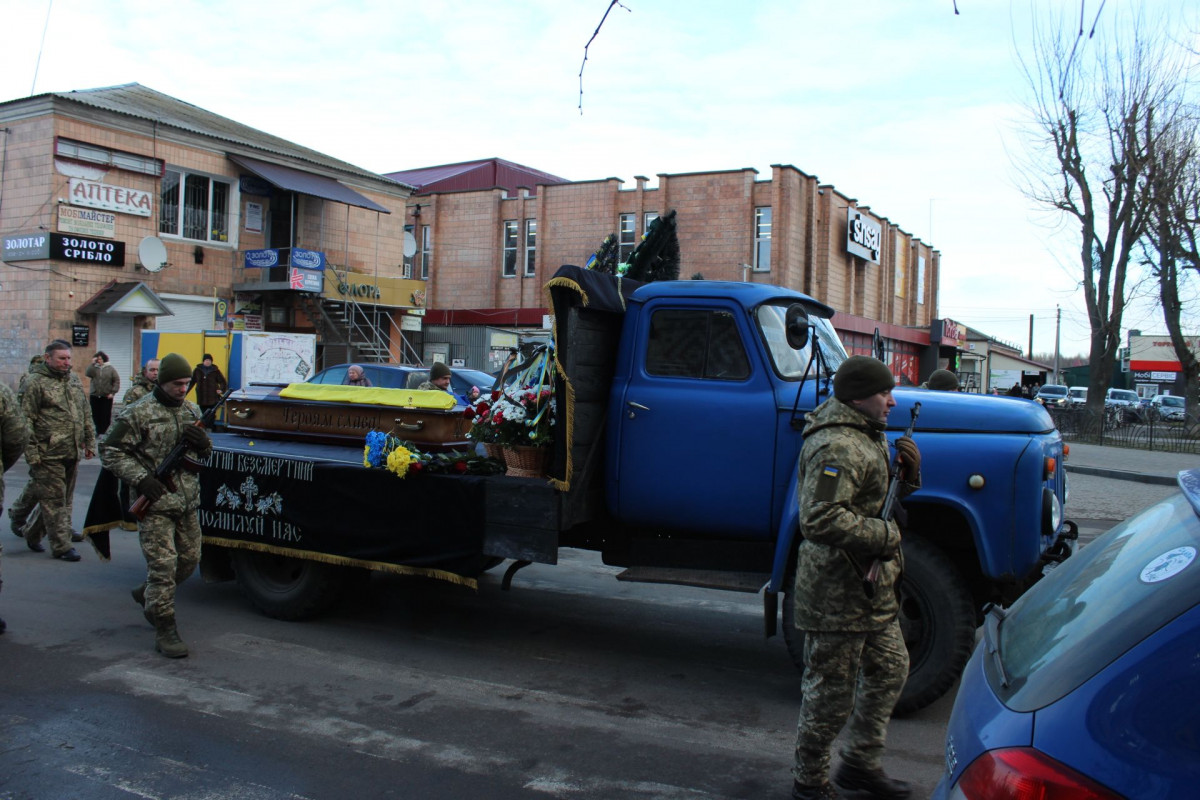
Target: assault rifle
[176, 459]
[889, 505]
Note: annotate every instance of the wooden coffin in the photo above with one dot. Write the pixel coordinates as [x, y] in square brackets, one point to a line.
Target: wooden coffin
[429, 420]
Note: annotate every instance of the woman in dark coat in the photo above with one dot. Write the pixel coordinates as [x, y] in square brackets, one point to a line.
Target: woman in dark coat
[209, 383]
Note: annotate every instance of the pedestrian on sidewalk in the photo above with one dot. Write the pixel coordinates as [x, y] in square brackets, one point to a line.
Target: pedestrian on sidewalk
[209, 383]
[105, 382]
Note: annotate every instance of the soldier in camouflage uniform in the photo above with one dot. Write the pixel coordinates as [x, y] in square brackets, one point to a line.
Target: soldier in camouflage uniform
[439, 379]
[13, 434]
[854, 654]
[143, 384]
[137, 443]
[60, 426]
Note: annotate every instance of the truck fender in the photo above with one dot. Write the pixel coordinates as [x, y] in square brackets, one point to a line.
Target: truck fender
[785, 538]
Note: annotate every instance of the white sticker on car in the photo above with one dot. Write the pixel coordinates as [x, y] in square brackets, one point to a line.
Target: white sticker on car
[1168, 565]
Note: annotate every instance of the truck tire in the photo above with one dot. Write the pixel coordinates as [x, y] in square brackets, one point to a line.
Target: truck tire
[937, 619]
[287, 588]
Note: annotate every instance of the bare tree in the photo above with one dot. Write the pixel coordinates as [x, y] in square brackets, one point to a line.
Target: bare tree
[1172, 247]
[1094, 102]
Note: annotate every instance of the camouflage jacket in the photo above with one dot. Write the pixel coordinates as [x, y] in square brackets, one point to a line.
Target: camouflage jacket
[58, 414]
[13, 432]
[843, 481]
[141, 387]
[105, 379]
[141, 437]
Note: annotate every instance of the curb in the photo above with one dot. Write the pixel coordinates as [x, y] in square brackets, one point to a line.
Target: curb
[1123, 475]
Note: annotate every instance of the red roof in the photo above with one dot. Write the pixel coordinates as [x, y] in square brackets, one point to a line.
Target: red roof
[487, 173]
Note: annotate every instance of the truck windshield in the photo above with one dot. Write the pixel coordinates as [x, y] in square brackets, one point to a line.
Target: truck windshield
[791, 363]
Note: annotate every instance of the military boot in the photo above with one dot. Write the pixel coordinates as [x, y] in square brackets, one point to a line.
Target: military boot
[856, 783]
[139, 595]
[166, 638]
[801, 791]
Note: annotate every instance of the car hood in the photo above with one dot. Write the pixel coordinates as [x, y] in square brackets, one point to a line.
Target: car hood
[956, 411]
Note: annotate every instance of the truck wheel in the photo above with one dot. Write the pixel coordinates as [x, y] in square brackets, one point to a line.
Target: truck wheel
[287, 588]
[937, 617]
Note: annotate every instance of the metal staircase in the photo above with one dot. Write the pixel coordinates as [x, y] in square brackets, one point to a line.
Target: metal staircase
[360, 331]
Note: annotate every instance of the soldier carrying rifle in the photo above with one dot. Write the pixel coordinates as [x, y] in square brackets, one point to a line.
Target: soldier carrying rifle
[855, 661]
[139, 449]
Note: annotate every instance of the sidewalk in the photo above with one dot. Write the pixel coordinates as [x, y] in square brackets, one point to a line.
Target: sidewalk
[1144, 466]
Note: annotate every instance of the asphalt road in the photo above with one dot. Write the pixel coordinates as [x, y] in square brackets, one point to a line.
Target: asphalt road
[571, 685]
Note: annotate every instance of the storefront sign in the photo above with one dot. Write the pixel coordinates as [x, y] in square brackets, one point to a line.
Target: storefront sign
[94, 194]
[408, 323]
[260, 259]
[80, 335]
[87, 222]
[250, 184]
[864, 236]
[26, 246]
[948, 332]
[87, 250]
[306, 280]
[363, 288]
[307, 259]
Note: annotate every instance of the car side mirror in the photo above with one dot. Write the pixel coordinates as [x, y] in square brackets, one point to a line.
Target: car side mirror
[796, 326]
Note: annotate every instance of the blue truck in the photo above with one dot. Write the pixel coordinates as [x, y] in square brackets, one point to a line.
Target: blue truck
[686, 402]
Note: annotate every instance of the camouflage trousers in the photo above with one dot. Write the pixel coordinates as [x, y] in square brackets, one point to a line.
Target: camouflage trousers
[851, 680]
[171, 546]
[52, 486]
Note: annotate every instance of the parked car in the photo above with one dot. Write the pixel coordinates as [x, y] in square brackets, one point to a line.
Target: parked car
[1169, 407]
[1052, 395]
[398, 376]
[1125, 401]
[1089, 685]
[1077, 396]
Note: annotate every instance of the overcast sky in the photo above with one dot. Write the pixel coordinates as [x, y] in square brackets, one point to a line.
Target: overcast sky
[901, 104]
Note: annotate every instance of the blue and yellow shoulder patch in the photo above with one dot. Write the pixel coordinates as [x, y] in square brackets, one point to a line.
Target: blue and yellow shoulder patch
[827, 483]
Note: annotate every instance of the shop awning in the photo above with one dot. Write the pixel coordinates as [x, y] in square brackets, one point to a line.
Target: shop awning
[294, 180]
[132, 298]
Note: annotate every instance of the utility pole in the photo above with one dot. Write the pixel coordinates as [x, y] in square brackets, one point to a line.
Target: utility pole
[1057, 330]
[1031, 337]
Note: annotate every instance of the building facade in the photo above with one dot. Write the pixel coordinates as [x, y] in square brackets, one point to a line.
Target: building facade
[488, 250]
[123, 209]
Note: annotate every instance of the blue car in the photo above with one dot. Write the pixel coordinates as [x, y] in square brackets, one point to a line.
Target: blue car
[1089, 686]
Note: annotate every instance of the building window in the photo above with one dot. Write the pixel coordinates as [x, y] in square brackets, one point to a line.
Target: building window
[406, 261]
[920, 280]
[195, 206]
[426, 251]
[648, 220]
[94, 154]
[762, 239]
[626, 236]
[530, 247]
[509, 269]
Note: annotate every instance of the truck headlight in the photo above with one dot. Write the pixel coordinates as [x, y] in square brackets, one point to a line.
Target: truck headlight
[1051, 512]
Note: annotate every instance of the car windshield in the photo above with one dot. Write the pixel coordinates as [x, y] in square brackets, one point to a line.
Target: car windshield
[1173, 402]
[461, 380]
[1057, 391]
[791, 363]
[1077, 392]
[1099, 603]
[1123, 394]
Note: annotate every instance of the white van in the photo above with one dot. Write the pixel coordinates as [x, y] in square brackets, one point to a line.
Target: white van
[1077, 396]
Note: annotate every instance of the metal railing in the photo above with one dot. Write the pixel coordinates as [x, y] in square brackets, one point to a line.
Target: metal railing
[1139, 429]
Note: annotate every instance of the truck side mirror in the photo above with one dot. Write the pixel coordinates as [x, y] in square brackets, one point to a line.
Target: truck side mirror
[796, 325]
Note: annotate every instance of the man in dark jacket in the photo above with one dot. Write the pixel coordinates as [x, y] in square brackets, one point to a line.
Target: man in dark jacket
[143, 384]
[209, 383]
[854, 655]
[105, 383]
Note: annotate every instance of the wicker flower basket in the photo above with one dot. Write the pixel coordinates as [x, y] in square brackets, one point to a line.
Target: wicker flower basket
[493, 450]
[523, 461]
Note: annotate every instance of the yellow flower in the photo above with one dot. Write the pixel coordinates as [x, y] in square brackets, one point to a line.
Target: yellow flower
[398, 461]
[366, 452]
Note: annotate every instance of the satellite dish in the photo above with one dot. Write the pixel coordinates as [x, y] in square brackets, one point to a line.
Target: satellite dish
[410, 245]
[152, 253]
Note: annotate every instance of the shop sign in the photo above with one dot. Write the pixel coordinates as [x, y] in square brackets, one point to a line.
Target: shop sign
[306, 280]
[307, 259]
[408, 323]
[26, 246]
[94, 194]
[79, 335]
[948, 332]
[260, 259]
[87, 250]
[88, 222]
[864, 236]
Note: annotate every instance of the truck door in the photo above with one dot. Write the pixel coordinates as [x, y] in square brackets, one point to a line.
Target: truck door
[697, 439]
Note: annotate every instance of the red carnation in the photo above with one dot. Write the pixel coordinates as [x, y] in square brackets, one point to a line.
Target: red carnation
[460, 466]
[469, 413]
[416, 466]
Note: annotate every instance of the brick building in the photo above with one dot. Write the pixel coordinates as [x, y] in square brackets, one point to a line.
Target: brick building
[273, 234]
[487, 249]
